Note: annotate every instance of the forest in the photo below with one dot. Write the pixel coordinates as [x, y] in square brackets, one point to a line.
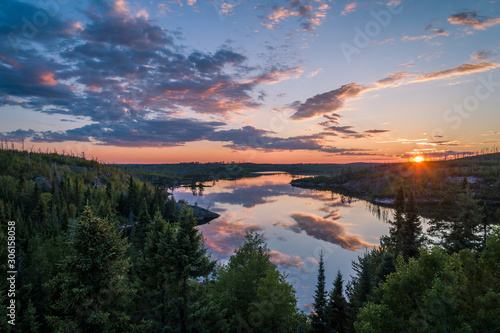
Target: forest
[429, 180]
[101, 249]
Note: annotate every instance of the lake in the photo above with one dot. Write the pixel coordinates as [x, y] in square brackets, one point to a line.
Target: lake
[296, 223]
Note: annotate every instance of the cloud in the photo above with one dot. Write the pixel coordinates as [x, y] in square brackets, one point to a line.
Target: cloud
[283, 259]
[326, 230]
[436, 33]
[122, 71]
[314, 73]
[472, 19]
[225, 235]
[310, 14]
[328, 102]
[250, 137]
[18, 135]
[457, 71]
[393, 78]
[350, 7]
[144, 133]
[341, 129]
[376, 131]
[483, 55]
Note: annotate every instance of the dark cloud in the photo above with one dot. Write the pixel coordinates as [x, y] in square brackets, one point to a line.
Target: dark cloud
[144, 133]
[249, 137]
[18, 135]
[115, 67]
[125, 30]
[326, 230]
[472, 19]
[483, 55]
[376, 131]
[22, 24]
[341, 130]
[325, 103]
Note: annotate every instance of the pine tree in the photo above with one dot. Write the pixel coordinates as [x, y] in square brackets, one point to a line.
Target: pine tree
[91, 289]
[462, 231]
[255, 295]
[174, 259]
[360, 288]
[190, 262]
[319, 316]
[337, 306]
[411, 238]
[396, 229]
[406, 229]
[142, 226]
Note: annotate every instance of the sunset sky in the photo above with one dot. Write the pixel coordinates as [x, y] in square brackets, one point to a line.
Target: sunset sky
[256, 81]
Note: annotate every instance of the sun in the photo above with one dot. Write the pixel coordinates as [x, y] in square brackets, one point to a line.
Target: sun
[418, 159]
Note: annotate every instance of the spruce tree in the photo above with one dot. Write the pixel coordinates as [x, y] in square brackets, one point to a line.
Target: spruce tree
[395, 241]
[412, 237]
[360, 288]
[337, 306]
[190, 262]
[462, 231]
[91, 290]
[319, 316]
[173, 261]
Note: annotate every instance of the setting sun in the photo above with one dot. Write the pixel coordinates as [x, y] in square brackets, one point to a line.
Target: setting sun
[418, 159]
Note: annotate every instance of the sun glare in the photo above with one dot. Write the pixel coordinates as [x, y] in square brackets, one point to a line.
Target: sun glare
[418, 159]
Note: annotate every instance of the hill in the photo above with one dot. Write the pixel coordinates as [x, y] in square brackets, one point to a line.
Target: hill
[429, 180]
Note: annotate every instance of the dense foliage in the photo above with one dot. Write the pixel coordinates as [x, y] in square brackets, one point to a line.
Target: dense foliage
[99, 250]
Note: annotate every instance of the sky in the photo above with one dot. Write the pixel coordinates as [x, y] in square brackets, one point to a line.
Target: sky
[256, 81]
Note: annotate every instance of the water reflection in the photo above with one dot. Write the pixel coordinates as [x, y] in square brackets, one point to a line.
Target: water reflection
[296, 223]
[327, 230]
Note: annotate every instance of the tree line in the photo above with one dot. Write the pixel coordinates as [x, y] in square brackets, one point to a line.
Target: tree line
[445, 280]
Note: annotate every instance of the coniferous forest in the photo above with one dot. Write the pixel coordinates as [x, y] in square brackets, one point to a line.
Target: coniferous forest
[99, 250]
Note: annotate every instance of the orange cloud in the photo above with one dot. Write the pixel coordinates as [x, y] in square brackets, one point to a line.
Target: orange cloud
[457, 71]
[48, 79]
[286, 260]
[350, 7]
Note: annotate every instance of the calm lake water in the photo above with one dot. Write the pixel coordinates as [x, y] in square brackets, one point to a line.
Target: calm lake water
[296, 223]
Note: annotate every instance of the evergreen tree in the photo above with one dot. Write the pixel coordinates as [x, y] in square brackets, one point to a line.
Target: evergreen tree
[360, 288]
[411, 238]
[133, 198]
[396, 229]
[464, 230]
[91, 289]
[319, 316]
[255, 295]
[142, 226]
[406, 229]
[337, 307]
[174, 259]
[190, 262]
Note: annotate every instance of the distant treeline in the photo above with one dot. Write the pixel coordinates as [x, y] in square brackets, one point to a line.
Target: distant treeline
[429, 180]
